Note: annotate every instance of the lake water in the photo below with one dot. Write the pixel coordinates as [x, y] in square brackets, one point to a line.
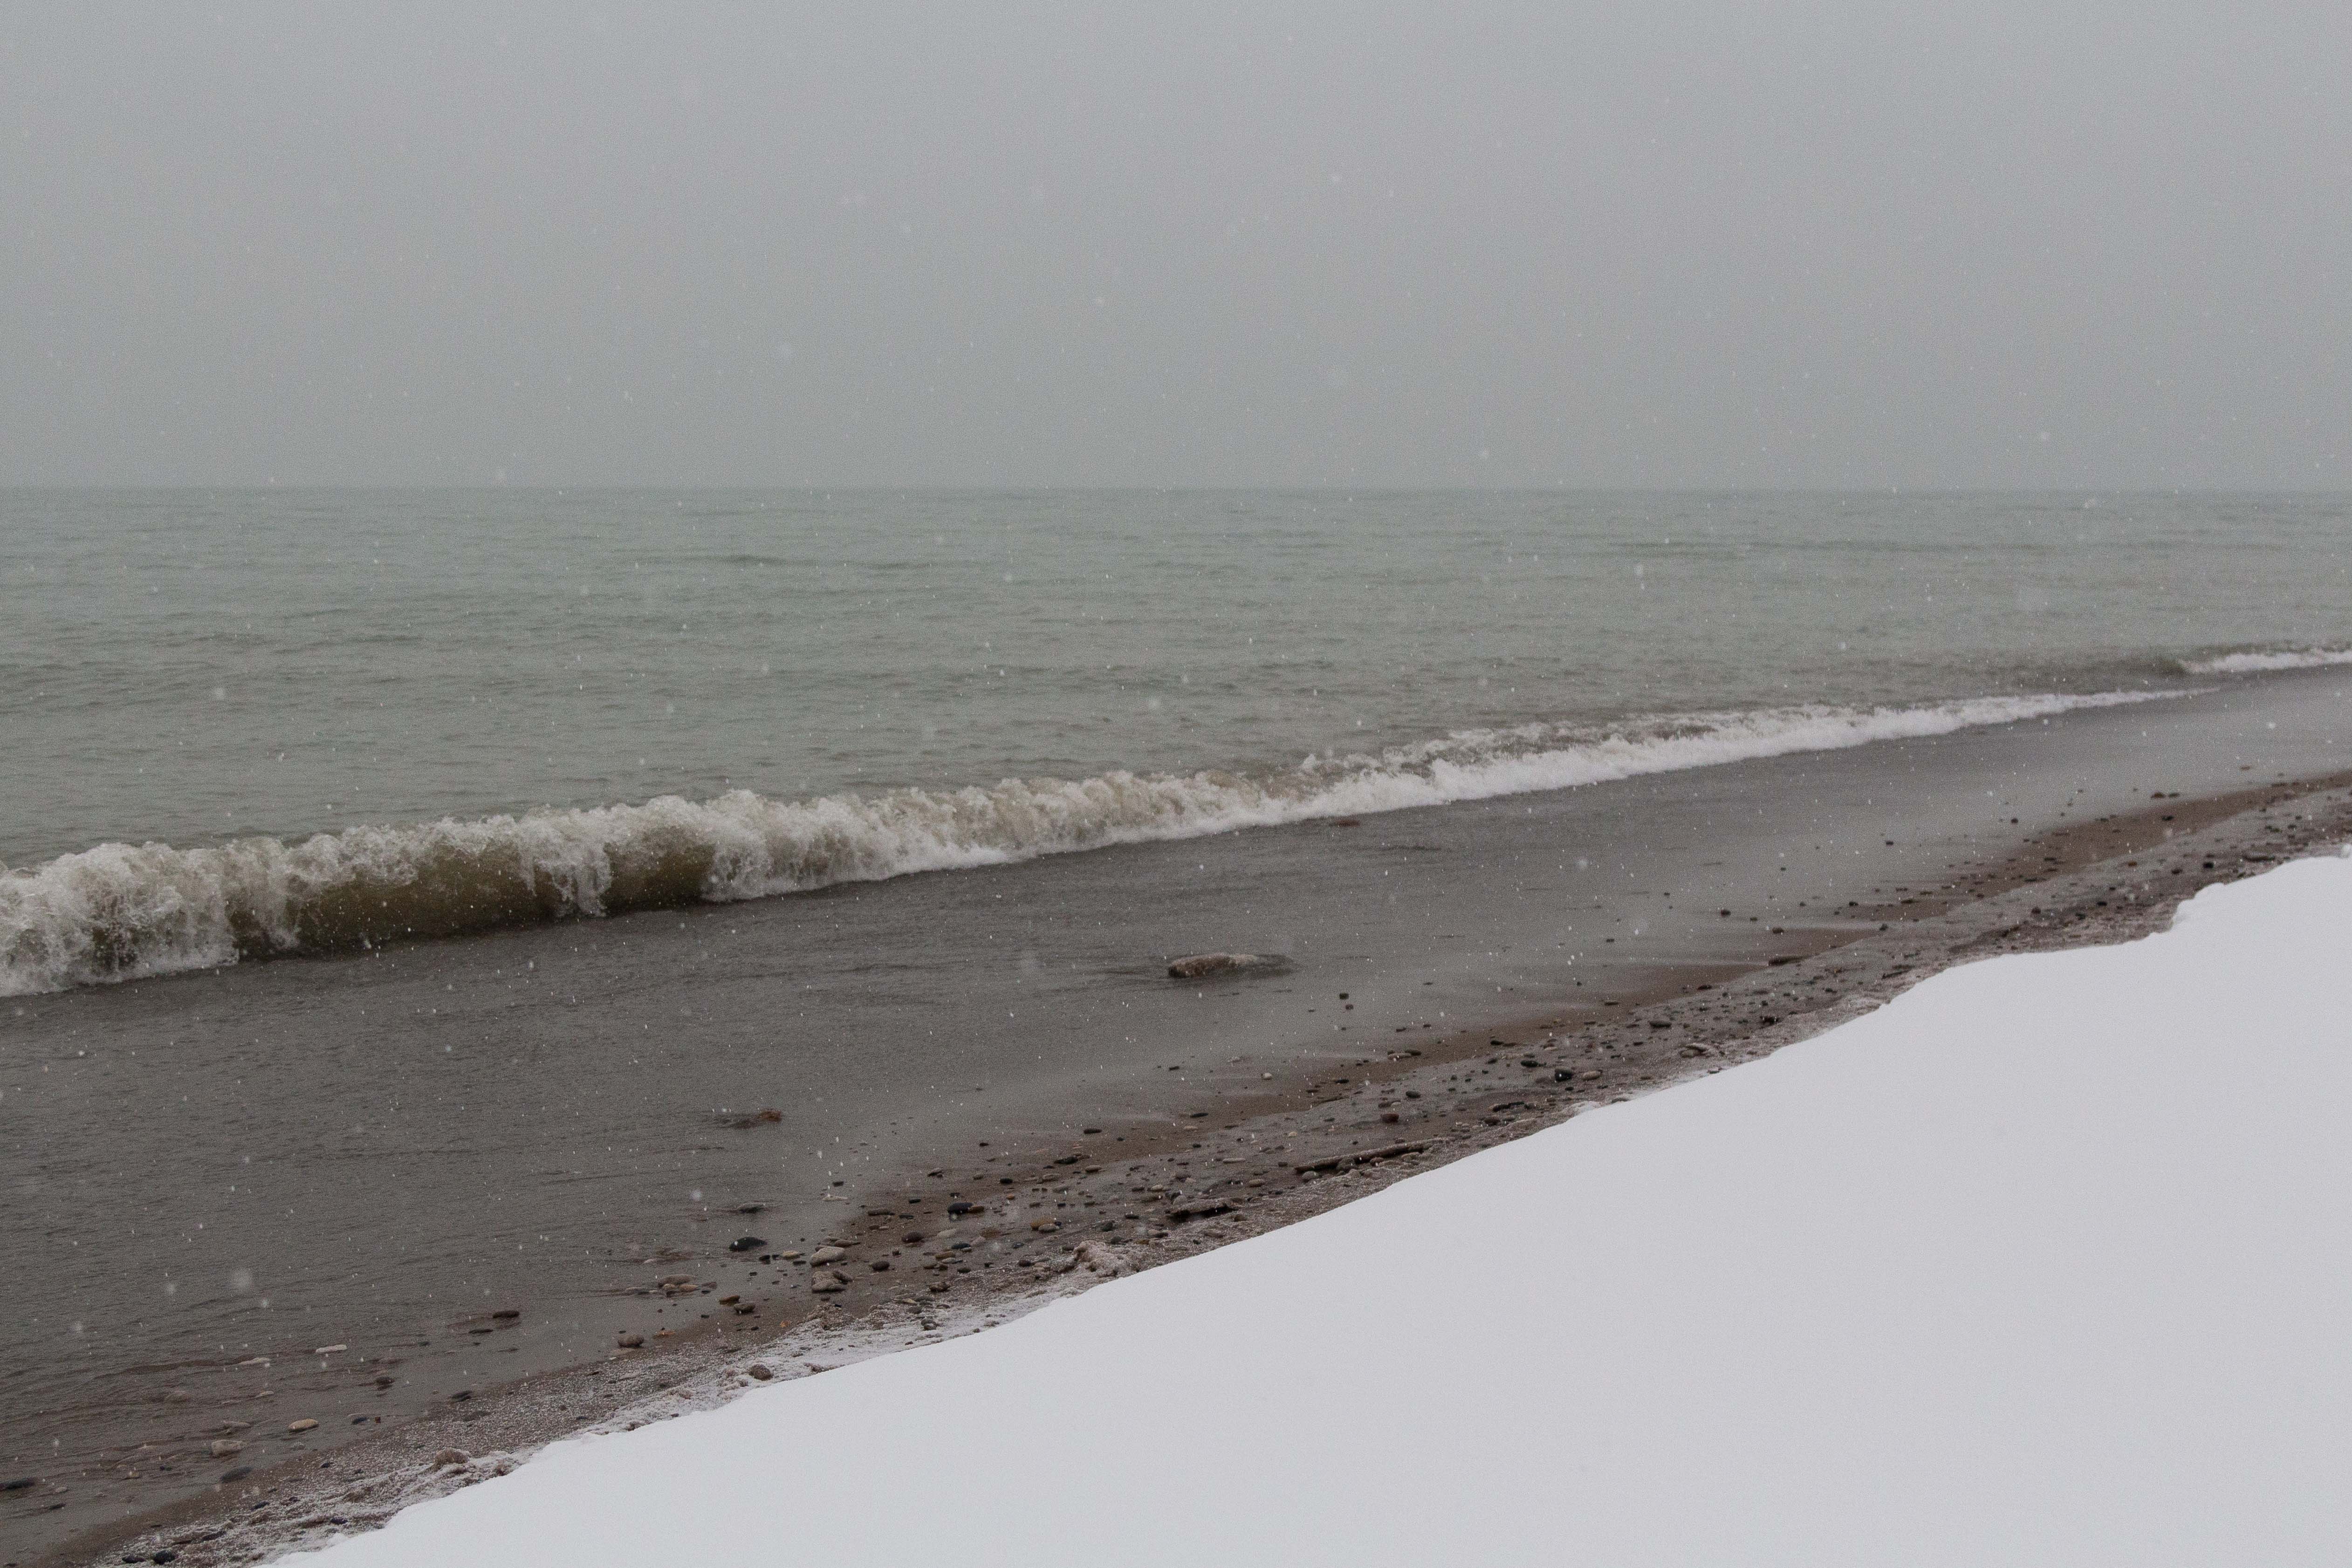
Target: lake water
[240, 723]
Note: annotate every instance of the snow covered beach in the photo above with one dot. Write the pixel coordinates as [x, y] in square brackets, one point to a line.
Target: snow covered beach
[2041, 1262]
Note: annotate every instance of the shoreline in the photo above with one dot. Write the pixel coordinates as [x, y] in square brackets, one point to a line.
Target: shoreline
[1252, 1159]
[348, 892]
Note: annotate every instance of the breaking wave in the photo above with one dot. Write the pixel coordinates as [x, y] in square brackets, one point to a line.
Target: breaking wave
[121, 912]
[2254, 663]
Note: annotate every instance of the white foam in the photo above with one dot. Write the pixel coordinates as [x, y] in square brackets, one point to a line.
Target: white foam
[2253, 663]
[120, 912]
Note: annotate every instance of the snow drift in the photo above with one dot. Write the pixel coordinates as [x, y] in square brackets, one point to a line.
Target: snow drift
[2043, 1263]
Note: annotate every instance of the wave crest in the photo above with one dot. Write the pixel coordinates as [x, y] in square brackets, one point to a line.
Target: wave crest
[2255, 662]
[119, 912]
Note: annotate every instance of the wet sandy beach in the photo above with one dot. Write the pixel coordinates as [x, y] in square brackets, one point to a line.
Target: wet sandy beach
[1450, 978]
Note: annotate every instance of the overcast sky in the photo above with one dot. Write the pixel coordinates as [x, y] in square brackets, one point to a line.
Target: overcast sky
[1708, 244]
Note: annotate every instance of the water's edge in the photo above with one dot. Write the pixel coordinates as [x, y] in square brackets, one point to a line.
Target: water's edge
[119, 912]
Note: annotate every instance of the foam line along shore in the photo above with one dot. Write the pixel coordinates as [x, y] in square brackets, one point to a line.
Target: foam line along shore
[120, 911]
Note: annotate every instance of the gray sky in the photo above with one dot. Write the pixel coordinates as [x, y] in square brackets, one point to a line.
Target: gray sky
[1658, 245]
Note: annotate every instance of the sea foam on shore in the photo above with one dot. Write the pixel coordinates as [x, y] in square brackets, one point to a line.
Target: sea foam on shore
[2250, 663]
[123, 911]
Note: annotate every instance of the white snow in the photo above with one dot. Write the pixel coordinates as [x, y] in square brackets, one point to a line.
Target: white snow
[2045, 1262]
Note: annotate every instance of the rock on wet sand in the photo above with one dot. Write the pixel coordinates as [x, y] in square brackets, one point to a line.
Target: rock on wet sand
[1201, 964]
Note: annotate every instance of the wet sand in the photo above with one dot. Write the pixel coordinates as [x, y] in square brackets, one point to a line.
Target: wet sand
[1274, 1099]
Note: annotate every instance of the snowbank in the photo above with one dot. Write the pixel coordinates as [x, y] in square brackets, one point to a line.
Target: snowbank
[2045, 1262]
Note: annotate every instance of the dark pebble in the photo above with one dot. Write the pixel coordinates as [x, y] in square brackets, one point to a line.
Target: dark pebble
[22, 1483]
[747, 1244]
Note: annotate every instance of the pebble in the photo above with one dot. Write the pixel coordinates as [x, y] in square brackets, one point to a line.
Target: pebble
[825, 1284]
[758, 1373]
[331, 1349]
[632, 1341]
[747, 1244]
[1046, 1226]
[305, 1425]
[828, 1255]
[223, 1446]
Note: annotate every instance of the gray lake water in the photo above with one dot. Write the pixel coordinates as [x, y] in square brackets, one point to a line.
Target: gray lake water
[475, 694]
